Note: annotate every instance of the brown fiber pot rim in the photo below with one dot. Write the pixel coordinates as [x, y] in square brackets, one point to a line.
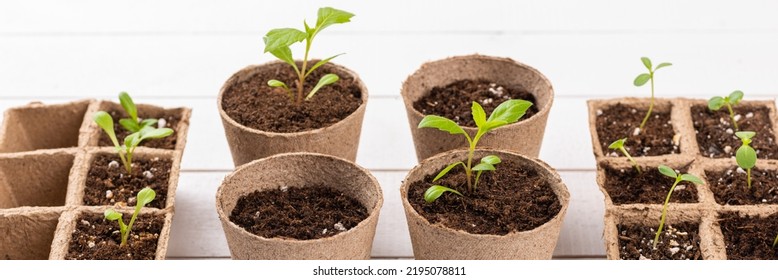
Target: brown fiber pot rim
[431, 64]
[560, 190]
[363, 225]
[247, 129]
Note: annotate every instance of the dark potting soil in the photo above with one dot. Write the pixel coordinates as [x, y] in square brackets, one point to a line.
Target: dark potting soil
[171, 121]
[676, 242]
[299, 213]
[255, 104]
[454, 101]
[512, 199]
[620, 121]
[96, 238]
[716, 135]
[627, 186]
[731, 186]
[107, 185]
[749, 238]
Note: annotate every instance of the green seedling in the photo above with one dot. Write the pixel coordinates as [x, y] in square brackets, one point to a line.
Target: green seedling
[132, 141]
[145, 196]
[775, 241]
[132, 124]
[716, 102]
[619, 145]
[669, 172]
[745, 155]
[643, 78]
[277, 42]
[506, 113]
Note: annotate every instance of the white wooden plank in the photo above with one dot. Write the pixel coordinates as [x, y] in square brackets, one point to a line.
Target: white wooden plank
[197, 231]
[577, 64]
[51, 16]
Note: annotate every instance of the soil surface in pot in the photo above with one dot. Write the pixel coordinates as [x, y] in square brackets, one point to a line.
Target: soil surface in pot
[627, 186]
[514, 198]
[716, 135]
[300, 213]
[108, 183]
[676, 242]
[749, 238]
[454, 101]
[731, 186]
[253, 103]
[620, 121]
[96, 238]
[171, 121]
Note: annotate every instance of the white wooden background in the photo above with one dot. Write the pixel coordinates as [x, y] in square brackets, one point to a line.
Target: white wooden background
[179, 52]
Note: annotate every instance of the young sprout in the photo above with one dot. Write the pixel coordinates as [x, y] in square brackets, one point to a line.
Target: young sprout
[669, 172]
[132, 141]
[642, 79]
[775, 242]
[145, 196]
[745, 155]
[619, 145]
[277, 42]
[716, 102]
[506, 113]
[131, 124]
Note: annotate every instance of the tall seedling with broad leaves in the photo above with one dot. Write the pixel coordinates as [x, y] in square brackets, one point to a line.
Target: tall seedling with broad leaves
[277, 42]
[133, 123]
[506, 113]
[746, 155]
[716, 102]
[132, 141]
[669, 172]
[643, 78]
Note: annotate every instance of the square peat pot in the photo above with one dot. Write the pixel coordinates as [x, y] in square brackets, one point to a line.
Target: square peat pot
[38, 127]
[84, 234]
[715, 133]
[26, 233]
[729, 184]
[175, 118]
[35, 178]
[748, 234]
[101, 179]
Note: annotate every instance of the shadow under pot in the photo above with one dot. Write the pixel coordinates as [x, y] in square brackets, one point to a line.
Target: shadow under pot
[516, 211]
[260, 121]
[448, 88]
[299, 206]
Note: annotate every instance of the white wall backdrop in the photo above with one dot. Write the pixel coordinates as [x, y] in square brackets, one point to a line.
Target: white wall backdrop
[178, 53]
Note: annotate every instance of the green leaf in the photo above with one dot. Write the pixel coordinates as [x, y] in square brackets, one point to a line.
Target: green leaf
[285, 55]
[148, 123]
[129, 106]
[691, 178]
[489, 125]
[484, 166]
[492, 159]
[746, 157]
[436, 191]
[132, 141]
[105, 121]
[646, 62]
[663, 65]
[325, 80]
[129, 125]
[280, 38]
[112, 215]
[479, 115]
[441, 123]
[320, 63]
[329, 16]
[308, 29]
[745, 134]
[667, 171]
[642, 79]
[510, 111]
[277, 83]
[618, 144]
[155, 133]
[447, 169]
[735, 97]
[145, 196]
[715, 103]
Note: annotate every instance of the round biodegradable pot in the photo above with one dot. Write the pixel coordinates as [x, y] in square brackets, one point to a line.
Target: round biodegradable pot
[435, 241]
[299, 170]
[524, 136]
[340, 139]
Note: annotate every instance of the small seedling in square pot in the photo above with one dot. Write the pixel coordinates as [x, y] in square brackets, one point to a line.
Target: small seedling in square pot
[642, 79]
[716, 102]
[506, 113]
[132, 141]
[619, 145]
[746, 155]
[145, 196]
[669, 172]
[277, 42]
[133, 123]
